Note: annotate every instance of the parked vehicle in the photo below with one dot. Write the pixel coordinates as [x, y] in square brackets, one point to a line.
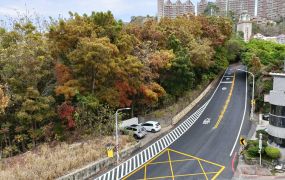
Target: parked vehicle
[265, 117]
[138, 131]
[151, 126]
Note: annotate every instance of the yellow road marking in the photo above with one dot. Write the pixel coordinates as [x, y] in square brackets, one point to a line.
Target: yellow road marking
[226, 104]
[219, 172]
[181, 175]
[173, 161]
[203, 170]
[172, 174]
[170, 163]
[196, 158]
[143, 165]
[145, 172]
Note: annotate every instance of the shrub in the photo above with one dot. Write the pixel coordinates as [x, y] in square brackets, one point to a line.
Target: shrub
[253, 151]
[252, 143]
[265, 135]
[272, 152]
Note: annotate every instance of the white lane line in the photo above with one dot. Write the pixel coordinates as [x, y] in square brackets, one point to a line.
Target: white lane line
[145, 155]
[183, 127]
[167, 140]
[151, 152]
[159, 145]
[141, 158]
[190, 120]
[156, 147]
[172, 138]
[112, 172]
[117, 173]
[108, 175]
[179, 132]
[148, 153]
[123, 167]
[164, 143]
[226, 82]
[243, 117]
[126, 169]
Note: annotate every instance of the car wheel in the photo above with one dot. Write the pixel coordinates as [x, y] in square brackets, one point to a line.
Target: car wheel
[136, 136]
[153, 131]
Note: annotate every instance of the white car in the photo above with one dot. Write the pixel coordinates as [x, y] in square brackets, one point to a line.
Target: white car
[151, 126]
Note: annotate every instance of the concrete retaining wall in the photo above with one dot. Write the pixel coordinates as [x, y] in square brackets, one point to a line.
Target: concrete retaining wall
[183, 113]
[95, 167]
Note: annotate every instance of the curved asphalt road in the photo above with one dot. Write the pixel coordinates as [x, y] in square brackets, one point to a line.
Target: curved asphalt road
[204, 141]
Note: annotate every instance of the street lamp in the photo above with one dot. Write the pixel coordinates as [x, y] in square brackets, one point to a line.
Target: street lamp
[252, 97]
[117, 135]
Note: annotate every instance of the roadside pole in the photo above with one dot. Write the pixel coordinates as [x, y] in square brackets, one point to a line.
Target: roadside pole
[252, 96]
[260, 148]
[117, 133]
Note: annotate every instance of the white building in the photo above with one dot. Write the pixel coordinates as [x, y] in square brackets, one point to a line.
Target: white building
[245, 26]
[276, 127]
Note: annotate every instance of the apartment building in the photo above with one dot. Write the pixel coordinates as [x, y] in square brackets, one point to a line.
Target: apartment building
[172, 10]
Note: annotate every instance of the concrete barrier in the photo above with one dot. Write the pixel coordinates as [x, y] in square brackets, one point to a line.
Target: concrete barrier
[186, 110]
[95, 167]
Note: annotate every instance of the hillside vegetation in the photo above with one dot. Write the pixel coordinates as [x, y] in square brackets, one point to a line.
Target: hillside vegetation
[65, 83]
[263, 57]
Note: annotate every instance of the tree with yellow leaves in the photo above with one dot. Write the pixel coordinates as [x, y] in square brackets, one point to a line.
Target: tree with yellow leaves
[4, 99]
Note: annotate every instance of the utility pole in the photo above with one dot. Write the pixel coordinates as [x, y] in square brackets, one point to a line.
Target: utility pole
[117, 133]
[260, 148]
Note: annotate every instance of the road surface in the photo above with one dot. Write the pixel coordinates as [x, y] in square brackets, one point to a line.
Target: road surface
[206, 149]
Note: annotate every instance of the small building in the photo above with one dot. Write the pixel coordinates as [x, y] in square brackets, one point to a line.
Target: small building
[276, 98]
[245, 26]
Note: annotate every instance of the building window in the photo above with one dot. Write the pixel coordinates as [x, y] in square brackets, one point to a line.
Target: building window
[277, 110]
[277, 121]
[278, 141]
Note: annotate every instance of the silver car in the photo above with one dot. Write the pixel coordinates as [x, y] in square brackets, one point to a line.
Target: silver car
[138, 131]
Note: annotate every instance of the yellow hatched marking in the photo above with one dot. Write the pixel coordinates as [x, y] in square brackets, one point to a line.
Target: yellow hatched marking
[173, 161]
[170, 163]
[196, 158]
[182, 175]
[143, 165]
[226, 104]
[203, 170]
[218, 173]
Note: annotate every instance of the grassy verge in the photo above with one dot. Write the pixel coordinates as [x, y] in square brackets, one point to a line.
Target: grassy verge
[51, 162]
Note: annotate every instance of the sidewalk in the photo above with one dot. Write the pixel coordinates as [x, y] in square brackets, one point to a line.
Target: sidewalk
[248, 172]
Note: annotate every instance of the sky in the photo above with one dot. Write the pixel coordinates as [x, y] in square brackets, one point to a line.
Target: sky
[122, 9]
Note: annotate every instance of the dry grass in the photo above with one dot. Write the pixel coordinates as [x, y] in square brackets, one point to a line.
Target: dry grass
[50, 163]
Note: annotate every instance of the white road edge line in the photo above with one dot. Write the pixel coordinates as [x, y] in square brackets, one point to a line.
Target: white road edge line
[243, 117]
[146, 151]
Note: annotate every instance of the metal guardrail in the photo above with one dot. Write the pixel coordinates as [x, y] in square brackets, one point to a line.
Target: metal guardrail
[147, 154]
